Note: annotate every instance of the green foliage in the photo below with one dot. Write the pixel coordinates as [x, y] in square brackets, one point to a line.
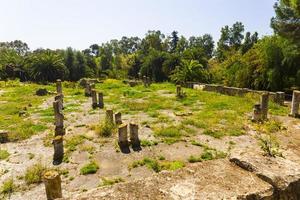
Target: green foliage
[190, 71]
[90, 168]
[4, 154]
[158, 166]
[109, 182]
[34, 173]
[270, 145]
[7, 187]
[106, 129]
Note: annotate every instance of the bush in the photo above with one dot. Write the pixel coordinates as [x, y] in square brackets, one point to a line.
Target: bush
[105, 129]
[90, 168]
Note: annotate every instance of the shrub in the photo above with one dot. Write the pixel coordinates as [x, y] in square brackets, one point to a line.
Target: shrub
[8, 187]
[34, 173]
[4, 154]
[90, 168]
[105, 129]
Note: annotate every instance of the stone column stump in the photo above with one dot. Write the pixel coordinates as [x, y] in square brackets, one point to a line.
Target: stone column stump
[264, 102]
[94, 99]
[3, 136]
[178, 91]
[295, 104]
[59, 119]
[134, 136]
[118, 118]
[58, 86]
[60, 99]
[52, 183]
[123, 140]
[279, 98]
[100, 100]
[58, 144]
[88, 90]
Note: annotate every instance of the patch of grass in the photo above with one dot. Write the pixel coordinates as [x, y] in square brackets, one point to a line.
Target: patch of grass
[158, 166]
[105, 129]
[90, 168]
[109, 182]
[4, 154]
[208, 154]
[168, 132]
[34, 173]
[148, 143]
[74, 141]
[8, 187]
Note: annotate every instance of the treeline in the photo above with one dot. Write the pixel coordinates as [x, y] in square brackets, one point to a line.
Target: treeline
[239, 58]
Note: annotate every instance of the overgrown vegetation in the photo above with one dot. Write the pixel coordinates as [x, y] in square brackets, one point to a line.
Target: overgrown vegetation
[158, 165]
[90, 168]
[34, 173]
[270, 145]
[109, 182]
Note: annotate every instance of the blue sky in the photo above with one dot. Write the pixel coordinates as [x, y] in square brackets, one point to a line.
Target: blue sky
[80, 23]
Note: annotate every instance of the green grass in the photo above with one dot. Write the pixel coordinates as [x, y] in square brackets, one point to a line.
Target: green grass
[208, 154]
[34, 173]
[109, 182]
[90, 168]
[7, 187]
[158, 166]
[4, 154]
[148, 143]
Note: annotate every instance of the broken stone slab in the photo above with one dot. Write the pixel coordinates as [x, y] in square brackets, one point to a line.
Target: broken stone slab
[218, 179]
[281, 173]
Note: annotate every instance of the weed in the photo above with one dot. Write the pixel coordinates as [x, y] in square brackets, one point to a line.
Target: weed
[108, 182]
[90, 168]
[34, 173]
[4, 154]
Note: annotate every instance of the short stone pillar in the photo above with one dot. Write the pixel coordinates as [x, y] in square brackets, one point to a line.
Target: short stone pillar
[264, 102]
[59, 119]
[257, 115]
[118, 118]
[295, 104]
[94, 99]
[58, 86]
[100, 100]
[3, 136]
[109, 116]
[88, 90]
[123, 140]
[134, 135]
[52, 183]
[279, 98]
[178, 91]
[58, 144]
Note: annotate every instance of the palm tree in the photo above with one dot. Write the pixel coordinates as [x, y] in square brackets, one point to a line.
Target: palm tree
[189, 70]
[46, 65]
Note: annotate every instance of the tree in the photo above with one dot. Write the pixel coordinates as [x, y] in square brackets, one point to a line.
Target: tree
[189, 70]
[46, 66]
[173, 41]
[287, 20]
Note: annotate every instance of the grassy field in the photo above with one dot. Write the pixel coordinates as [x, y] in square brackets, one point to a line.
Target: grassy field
[217, 115]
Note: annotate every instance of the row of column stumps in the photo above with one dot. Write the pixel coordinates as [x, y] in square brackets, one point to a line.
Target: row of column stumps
[123, 132]
[295, 104]
[260, 110]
